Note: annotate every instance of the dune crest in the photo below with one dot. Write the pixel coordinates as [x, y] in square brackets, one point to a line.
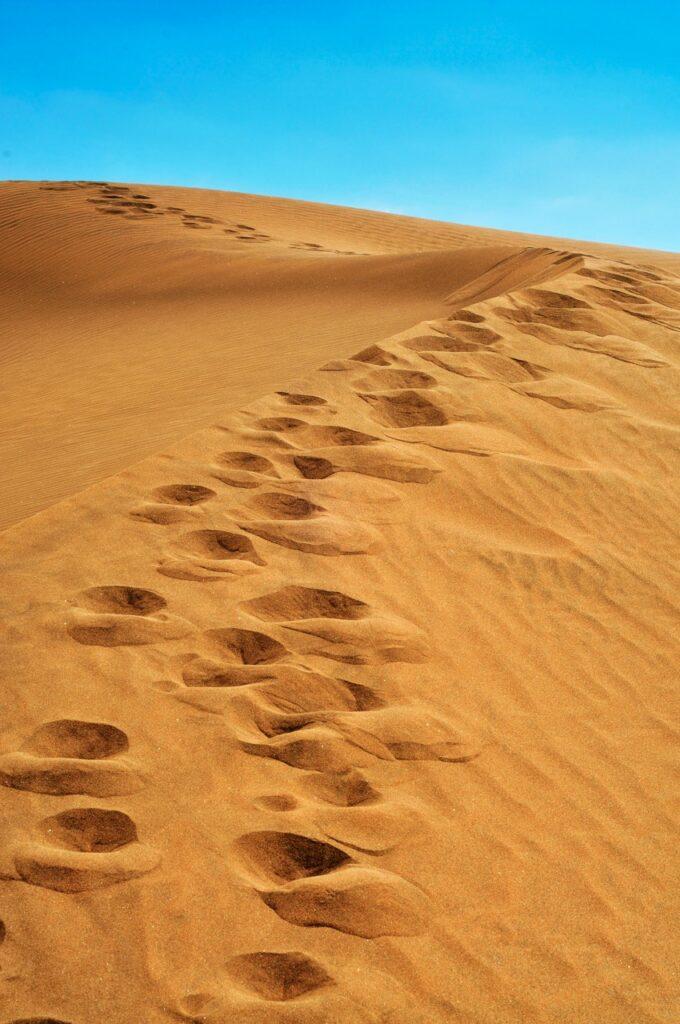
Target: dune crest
[355, 706]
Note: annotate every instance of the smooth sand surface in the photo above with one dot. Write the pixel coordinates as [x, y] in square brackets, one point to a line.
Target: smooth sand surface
[357, 706]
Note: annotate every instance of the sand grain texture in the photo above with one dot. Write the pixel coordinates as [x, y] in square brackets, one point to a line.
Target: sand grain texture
[358, 705]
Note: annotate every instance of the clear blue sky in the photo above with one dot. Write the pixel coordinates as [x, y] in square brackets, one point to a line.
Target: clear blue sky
[561, 118]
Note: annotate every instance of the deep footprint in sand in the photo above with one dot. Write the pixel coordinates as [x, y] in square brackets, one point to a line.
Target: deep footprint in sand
[279, 977]
[319, 884]
[243, 469]
[84, 848]
[72, 756]
[292, 521]
[359, 901]
[334, 625]
[183, 494]
[306, 435]
[209, 554]
[384, 461]
[291, 398]
[114, 616]
[174, 503]
[318, 748]
[405, 409]
[281, 857]
[391, 380]
[293, 602]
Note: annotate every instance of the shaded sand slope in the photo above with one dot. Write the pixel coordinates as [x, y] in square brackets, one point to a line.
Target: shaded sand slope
[132, 315]
[357, 707]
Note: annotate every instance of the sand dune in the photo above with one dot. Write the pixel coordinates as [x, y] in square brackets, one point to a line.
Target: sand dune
[357, 705]
[133, 315]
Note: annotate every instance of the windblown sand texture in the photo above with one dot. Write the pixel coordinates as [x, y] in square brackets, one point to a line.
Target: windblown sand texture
[356, 707]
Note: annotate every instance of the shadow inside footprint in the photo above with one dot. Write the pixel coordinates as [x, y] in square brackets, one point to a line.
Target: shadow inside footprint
[72, 738]
[278, 976]
[89, 830]
[248, 646]
[285, 856]
[183, 494]
[121, 600]
[297, 603]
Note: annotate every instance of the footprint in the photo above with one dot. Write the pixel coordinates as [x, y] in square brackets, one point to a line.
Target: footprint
[280, 423]
[296, 399]
[358, 901]
[122, 600]
[608, 277]
[84, 848]
[243, 469]
[406, 409]
[580, 320]
[385, 462]
[119, 615]
[344, 788]
[279, 977]
[373, 354]
[201, 672]
[475, 439]
[71, 756]
[293, 602]
[247, 646]
[491, 366]
[389, 380]
[329, 625]
[305, 699]
[162, 515]
[297, 691]
[314, 468]
[281, 857]
[89, 830]
[567, 394]
[482, 336]
[278, 505]
[318, 749]
[183, 494]
[73, 738]
[280, 802]
[467, 316]
[173, 504]
[310, 436]
[206, 554]
[541, 298]
[326, 535]
[373, 830]
[409, 733]
[245, 657]
[293, 693]
[318, 884]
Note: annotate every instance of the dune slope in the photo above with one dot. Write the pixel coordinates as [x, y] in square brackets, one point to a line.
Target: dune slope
[133, 315]
[357, 706]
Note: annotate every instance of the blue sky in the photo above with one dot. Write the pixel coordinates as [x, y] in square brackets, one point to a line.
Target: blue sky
[556, 118]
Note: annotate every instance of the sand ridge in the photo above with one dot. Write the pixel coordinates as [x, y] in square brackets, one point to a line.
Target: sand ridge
[356, 705]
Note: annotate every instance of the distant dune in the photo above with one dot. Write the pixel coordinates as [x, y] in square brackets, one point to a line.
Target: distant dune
[357, 705]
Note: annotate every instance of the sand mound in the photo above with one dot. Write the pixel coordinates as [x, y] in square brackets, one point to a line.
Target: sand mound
[355, 707]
